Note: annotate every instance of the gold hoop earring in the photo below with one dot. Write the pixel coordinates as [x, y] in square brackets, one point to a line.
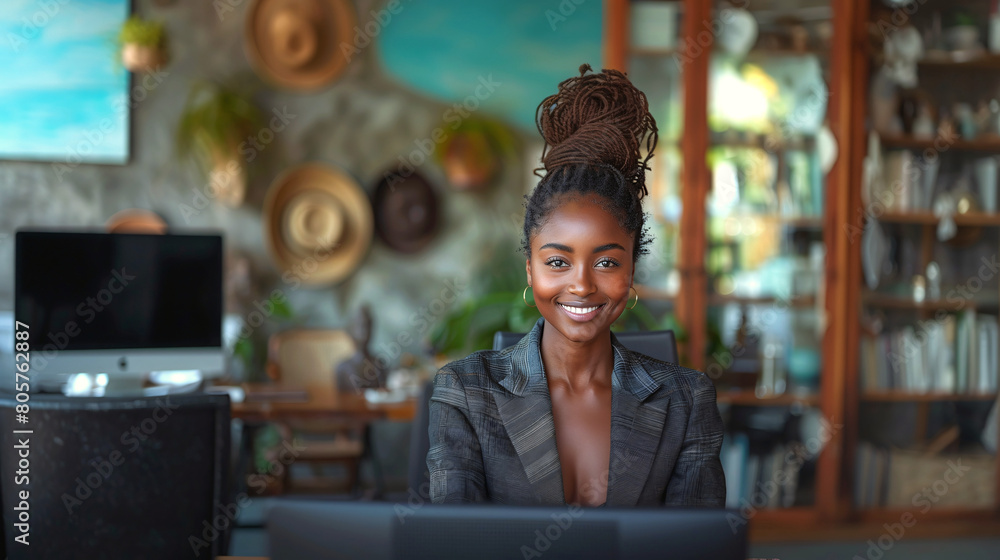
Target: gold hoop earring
[524, 296]
[636, 302]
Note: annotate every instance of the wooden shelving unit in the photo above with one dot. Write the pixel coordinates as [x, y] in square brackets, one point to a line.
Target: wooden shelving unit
[695, 298]
[941, 144]
[887, 301]
[796, 301]
[981, 61]
[848, 66]
[749, 398]
[929, 219]
[907, 396]
[946, 81]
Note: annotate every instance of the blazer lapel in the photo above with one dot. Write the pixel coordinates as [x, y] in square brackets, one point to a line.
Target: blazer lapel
[636, 428]
[526, 411]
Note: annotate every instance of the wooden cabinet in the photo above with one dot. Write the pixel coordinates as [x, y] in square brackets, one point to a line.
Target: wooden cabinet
[922, 373]
[757, 290]
[783, 260]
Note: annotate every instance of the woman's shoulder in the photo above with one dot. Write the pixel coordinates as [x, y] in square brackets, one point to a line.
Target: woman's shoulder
[482, 369]
[672, 377]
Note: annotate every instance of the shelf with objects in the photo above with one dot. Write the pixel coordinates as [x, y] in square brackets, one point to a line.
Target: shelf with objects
[769, 151]
[756, 162]
[925, 283]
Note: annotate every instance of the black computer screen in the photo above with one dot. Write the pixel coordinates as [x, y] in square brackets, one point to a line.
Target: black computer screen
[101, 291]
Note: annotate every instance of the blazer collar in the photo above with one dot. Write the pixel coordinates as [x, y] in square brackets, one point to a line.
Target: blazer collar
[526, 412]
[526, 368]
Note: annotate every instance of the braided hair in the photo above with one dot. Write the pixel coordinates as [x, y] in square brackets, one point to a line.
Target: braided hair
[594, 129]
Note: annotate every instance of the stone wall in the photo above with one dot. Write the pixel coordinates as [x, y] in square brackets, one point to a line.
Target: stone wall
[363, 123]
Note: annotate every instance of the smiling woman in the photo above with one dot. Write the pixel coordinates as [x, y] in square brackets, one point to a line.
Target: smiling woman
[569, 415]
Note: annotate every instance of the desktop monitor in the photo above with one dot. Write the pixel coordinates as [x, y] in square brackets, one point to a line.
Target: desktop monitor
[387, 531]
[118, 304]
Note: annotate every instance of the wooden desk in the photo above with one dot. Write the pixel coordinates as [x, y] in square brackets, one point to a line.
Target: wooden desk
[314, 403]
[319, 402]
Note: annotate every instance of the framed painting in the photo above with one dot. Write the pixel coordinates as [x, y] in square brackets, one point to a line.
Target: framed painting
[63, 90]
[500, 57]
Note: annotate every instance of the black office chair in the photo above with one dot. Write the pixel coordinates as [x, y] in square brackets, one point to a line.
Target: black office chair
[661, 345]
[119, 477]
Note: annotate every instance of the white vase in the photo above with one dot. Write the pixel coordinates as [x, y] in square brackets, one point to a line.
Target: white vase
[986, 181]
[738, 31]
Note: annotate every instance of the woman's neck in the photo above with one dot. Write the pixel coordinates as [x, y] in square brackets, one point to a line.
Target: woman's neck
[580, 365]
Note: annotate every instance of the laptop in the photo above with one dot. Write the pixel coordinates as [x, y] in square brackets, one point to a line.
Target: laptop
[394, 531]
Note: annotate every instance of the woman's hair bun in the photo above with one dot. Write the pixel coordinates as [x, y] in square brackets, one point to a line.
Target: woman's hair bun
[598, 120]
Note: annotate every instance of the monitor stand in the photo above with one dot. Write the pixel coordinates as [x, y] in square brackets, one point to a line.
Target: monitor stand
[105, 385]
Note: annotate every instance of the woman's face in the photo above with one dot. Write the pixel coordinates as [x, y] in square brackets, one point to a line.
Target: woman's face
[580, 269]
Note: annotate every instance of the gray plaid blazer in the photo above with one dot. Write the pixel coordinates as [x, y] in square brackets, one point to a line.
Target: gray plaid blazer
[492, 436]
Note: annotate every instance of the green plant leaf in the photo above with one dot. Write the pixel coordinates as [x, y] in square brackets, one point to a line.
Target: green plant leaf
[215, 119]
[143, 32]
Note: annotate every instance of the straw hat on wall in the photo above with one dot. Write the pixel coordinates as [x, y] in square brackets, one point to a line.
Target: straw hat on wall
[317, 224]
[295, 44]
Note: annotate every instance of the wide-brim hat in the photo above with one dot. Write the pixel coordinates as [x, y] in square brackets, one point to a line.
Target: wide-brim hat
[317, 223]
[295, 44]
[406, 211]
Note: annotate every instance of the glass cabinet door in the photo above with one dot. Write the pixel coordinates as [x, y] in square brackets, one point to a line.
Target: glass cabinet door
[769, 153]
[651, 64]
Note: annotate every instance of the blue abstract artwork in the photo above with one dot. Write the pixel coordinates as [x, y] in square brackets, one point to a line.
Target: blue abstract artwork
[501, 57]
[63, 92]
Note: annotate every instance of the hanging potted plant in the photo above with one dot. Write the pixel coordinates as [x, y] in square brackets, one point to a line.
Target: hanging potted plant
[214, 122]
[143, 45]
[471, 153]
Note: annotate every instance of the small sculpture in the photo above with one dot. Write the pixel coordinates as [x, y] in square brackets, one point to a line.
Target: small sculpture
[360, 371]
